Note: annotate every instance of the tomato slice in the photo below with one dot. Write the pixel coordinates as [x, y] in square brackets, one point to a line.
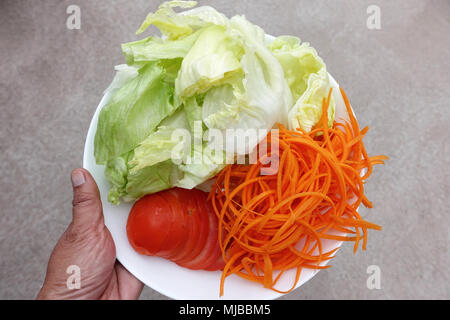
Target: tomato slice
[216, 262]
[207, 255]
[178, 232]
[190, 212]
[148, 225]
[202, 219]
[214, 258]
[219, 264]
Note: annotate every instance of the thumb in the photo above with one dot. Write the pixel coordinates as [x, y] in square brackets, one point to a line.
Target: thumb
[87, 206]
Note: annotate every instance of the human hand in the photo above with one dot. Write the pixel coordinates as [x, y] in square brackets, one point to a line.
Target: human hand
[87, 244]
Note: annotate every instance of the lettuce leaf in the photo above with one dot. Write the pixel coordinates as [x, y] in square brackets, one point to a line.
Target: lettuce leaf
[193, 111]
[195, 173]
[307, 112]
[154, 48]
[175, 25]
[168, 21]
[150, 180]
[252, 101]
[132, 113]
[162, 144]
[307, 77]
[116, 172]
[212, 60]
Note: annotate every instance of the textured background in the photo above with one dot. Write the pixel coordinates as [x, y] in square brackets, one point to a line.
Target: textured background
[52, 79]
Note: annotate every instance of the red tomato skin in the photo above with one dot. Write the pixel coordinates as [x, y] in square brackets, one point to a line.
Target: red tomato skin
[216, 261]
[203, 221]
[178, 232]
[219, 264]
[148, 224]
[207, 255]
[178, 225]
[190, 212]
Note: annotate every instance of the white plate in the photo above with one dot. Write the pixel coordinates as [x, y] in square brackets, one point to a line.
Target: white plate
[166, 277]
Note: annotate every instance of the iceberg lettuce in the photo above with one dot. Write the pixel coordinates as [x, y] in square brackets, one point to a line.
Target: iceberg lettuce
[132, 113]
[174, 25]
[253, 100]
[213, 60]
[154, 48]
[161, 145]
[307, 78]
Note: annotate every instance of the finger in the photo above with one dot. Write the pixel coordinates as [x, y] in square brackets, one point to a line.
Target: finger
[130, 287]
[87, 206]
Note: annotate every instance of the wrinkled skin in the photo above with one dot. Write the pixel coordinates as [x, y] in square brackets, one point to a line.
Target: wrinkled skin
[88, 244]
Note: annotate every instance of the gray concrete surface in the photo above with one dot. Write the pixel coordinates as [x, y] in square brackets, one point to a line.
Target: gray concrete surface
[52, 78]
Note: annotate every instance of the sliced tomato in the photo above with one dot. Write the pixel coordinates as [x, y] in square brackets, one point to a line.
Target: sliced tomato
[179, 225]
[216, 261]
[190, 212]
[149, 224]
[202, 219]
[179, 230]
[215, 256]
[219, 264]
[207, 255]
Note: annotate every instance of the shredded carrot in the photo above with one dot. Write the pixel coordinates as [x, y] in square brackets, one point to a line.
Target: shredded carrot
[269, 224]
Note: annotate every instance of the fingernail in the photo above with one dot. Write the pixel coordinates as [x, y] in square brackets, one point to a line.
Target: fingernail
[77, 178]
